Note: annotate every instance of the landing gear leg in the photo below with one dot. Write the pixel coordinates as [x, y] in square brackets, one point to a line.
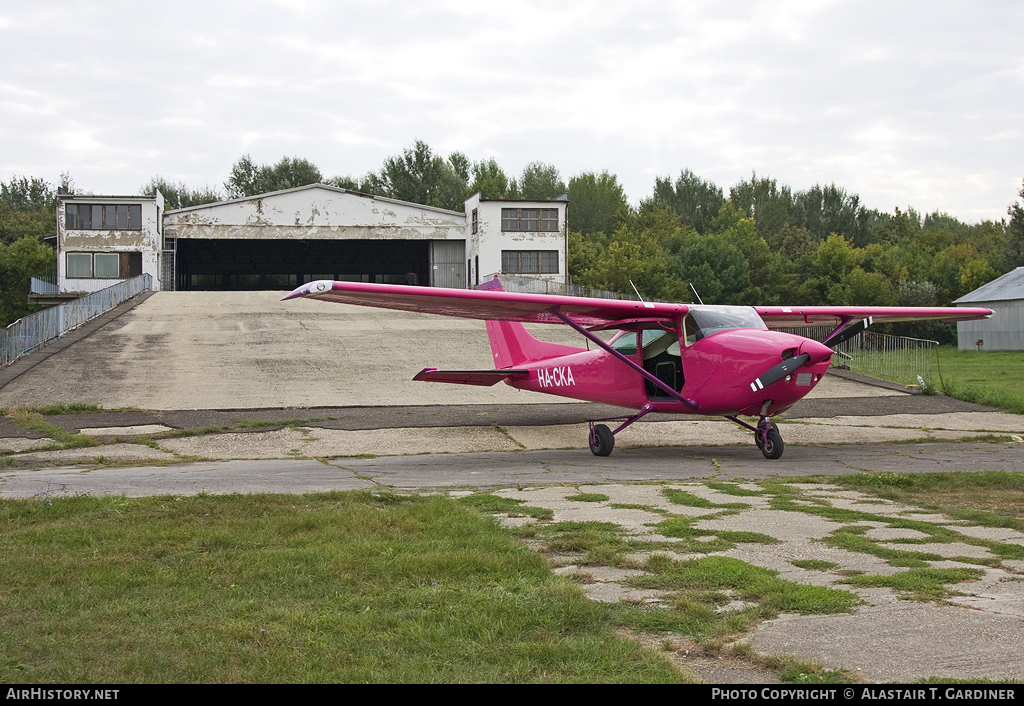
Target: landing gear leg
[602, 439]
[768, 439]
[766, 434]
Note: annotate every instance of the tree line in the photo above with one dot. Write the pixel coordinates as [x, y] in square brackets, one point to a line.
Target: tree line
[758, 243]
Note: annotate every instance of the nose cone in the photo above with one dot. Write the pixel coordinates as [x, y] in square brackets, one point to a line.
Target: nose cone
[818, 352]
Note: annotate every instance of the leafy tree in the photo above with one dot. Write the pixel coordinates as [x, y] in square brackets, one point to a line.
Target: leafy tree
[860, 288]
[597, 203]
[1015, 234]
[27, 208]
[343, 182]
[419, 176]
[794, 243]
[22, 259]
[249, 179]
[177, 195]
[541, 182]
[763, 265]
[696, 201]
[492, 182]
[713, 265]
[829, 209]
[770, 206]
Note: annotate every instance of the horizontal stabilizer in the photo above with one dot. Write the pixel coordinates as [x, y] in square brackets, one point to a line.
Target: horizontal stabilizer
[484, 378]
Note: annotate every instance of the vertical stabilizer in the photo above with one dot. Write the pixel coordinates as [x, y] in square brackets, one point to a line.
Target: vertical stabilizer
[512, 345]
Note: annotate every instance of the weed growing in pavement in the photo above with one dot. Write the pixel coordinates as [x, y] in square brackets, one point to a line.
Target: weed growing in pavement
[33, 421]
[919, 584]
[682, 497]
[587, 498]
[814, 564]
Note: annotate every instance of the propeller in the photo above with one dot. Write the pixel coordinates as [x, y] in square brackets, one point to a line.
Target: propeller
[779, 371]
[789, 365]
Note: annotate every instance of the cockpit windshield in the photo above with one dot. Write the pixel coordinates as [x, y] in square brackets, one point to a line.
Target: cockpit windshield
[703, 321]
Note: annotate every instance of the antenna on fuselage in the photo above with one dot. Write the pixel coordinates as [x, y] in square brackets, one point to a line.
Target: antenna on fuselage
[695, 294]
[637, 291]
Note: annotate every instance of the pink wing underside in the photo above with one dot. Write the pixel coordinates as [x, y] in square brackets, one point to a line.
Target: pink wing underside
[803, 316]
[512, 306]
[489, 305]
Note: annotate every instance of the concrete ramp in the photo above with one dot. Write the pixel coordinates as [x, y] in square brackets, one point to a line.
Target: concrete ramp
[229, 350]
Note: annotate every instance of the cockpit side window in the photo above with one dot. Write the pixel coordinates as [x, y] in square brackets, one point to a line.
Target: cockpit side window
[625, 343]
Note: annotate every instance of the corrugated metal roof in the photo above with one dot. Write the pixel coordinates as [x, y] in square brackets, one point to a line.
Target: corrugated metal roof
[1009, 286]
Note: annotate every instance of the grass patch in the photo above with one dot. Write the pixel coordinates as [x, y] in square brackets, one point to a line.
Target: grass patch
[33, 421]
[734, 489]
[705, 541]
[919, 584]
[588, 498]
[73, 408]
[682, 497]
[792, 670]
[984, 377]
[990, 498]
[336, 587]
[588, 542]
[701, 586]
[814, 564]
[636, 506]
[486, 502]
[852, 539]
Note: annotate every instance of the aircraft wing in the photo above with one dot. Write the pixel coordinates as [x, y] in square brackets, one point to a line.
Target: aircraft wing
[803, 316]
[490, 305]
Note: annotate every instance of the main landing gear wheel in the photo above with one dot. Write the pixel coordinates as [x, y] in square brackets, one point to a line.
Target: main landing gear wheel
[772, 449]
[605, 441]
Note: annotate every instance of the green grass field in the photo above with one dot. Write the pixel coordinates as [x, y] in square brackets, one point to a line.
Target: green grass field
[337, 587]
[994, 378]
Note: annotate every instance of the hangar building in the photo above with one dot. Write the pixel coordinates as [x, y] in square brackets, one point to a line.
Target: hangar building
[282, 239]
[1005, 330]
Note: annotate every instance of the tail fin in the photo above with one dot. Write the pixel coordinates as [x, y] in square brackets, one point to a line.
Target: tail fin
[512, 345]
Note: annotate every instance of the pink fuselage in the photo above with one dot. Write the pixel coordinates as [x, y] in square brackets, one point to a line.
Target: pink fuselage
[717, 372]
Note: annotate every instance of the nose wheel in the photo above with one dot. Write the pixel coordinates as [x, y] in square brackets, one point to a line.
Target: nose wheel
[768, 439]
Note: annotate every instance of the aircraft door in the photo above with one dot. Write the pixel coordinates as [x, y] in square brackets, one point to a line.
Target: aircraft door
[662, 358]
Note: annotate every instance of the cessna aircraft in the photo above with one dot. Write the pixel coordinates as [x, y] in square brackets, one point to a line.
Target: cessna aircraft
[669, 358]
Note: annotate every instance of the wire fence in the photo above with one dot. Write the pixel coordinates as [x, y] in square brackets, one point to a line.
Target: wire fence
[29, 333]
[896, 358]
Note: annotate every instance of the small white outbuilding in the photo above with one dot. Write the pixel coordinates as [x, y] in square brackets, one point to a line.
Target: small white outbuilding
[1004, 331]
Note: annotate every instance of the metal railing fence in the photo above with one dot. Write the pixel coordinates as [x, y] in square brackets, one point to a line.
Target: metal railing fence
[43, 285]
[897, 358]
[531, 285]
[29, 333]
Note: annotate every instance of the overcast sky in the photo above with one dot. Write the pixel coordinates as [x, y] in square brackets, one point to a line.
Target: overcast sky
[905, 103]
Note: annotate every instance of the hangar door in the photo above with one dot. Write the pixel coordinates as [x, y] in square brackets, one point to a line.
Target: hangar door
[448, 264]
[248, 264]
[285, 264]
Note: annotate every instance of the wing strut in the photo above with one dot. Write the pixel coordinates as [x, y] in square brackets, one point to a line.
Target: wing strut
[691, 404]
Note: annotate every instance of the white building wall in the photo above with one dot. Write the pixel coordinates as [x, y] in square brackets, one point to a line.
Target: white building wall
[315, 212]
[147, 240]
[1003, 332]
[490, 240]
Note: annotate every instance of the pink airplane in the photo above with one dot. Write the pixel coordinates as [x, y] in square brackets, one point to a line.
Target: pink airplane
[669, 358]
